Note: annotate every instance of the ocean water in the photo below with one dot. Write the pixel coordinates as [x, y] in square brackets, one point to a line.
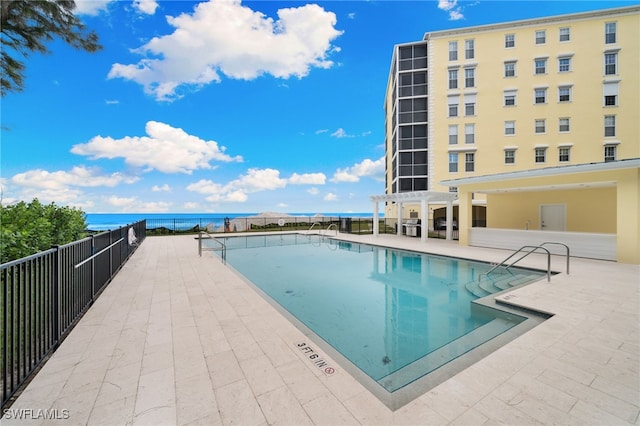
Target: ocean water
[106, 221]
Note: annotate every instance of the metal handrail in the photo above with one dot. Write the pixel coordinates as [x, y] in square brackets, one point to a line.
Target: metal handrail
[311, 227]
[329, 228]
[222, 248]
[532, 250]
[541, 245]
[565, 246]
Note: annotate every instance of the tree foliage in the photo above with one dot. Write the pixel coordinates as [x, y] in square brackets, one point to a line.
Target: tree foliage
[28, 228]
[26, 25]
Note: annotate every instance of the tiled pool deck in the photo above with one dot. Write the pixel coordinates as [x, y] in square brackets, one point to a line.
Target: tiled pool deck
[180, 339]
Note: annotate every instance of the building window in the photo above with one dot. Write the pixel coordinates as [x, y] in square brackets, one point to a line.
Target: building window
[453, 162]
[611, 63]
[610, 32]
[453, 50]
[413, 110]
[453, 79]
[610, 92]
[564, 125]
[469, 133]
[470, 109]
[413, 84]
[509, 98]
[470, 104]
[609, 125]
[541, 155]
[469, 162]
[509, 127]
[610, 153]
[540, 126]
[541, 37]
[510, 40]
[453, 135]
[469, 50]
[453, 106]
[564, 94]
[541, 66]
[564, 64]
[563, 154]
[413, 57]
[540, 96]
[413, 137]
[469, 77]
[510, 69]
[509, 156]
[565, 34]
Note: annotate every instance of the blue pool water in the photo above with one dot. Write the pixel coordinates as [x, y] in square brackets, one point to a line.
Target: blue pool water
[396, 315]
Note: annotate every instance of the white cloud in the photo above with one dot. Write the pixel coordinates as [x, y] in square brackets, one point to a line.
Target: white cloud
[255, 180]
[166, 149]
[341, 133]
[368, 168]
[94, 7]
[313, 191]
[146, 6]
[163, 188]
[451, 6]
[133, 204]
[191, 206]
[223, 36]
[62, 186]
[259, 180]
[78, 176]
[330, 197]
[307, 179]
[91, 7]
[120, 201]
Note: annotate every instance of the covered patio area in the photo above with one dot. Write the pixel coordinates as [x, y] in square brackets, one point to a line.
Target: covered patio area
[424, 198]
[591, 207]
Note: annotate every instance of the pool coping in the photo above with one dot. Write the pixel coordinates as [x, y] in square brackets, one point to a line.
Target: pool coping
[409, 392]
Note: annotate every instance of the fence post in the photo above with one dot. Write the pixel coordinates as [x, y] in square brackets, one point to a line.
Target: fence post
[57, 297]
[93, 268]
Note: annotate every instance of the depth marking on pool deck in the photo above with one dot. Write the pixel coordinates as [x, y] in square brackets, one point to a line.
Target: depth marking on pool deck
[315, 358]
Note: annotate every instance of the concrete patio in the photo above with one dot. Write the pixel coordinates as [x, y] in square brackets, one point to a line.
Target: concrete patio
[181, 339]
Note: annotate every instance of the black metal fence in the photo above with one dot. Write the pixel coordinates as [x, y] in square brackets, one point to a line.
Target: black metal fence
[44, 295]
[349, 225]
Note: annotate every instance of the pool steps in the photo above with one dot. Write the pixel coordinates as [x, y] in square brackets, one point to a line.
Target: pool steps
[490, 285]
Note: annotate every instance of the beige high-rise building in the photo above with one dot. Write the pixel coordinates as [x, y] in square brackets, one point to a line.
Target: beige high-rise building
[534, 124]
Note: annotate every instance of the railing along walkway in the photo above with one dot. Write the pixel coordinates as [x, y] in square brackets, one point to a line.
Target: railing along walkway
[44, 295]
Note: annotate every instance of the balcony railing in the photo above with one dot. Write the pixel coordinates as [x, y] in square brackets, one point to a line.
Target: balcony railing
[44, 295]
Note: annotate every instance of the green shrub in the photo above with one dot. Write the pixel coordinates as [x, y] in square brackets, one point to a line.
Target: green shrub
[28, 228]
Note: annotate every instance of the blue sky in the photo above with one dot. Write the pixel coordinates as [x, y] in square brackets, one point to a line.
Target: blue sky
[222, 106]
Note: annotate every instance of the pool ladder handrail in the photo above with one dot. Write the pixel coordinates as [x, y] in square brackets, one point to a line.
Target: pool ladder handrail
[222, 248]
[532, 249]
[311, 227]
[329, 228]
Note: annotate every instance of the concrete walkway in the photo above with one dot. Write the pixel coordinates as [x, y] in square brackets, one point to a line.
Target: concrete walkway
[180, 339]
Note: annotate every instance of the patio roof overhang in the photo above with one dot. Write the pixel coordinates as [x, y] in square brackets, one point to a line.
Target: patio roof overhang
[577, 176]
[415, 196]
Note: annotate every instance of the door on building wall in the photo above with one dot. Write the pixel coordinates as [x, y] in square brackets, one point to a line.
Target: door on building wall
[553, 217]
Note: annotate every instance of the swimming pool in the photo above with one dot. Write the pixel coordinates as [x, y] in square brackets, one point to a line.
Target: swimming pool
[396, 315]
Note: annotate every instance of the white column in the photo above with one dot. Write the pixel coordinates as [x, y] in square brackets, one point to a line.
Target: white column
[376, 220]
[424, 220]
[399, 207]
[449, 231]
